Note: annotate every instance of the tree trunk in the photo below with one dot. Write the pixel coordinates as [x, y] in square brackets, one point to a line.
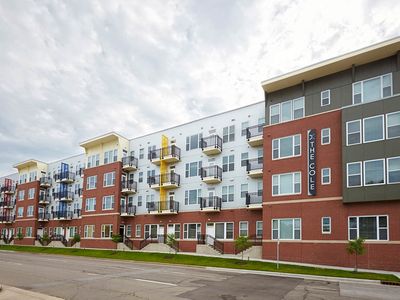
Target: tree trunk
[356, 268]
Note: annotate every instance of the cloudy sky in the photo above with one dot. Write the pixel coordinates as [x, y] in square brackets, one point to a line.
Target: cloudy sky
[71, 70]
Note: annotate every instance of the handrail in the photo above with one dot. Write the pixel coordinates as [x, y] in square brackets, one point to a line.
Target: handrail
[254, 131]
[143, 243]
[129, 184]
[211, 171]
[7, 203]
[128, 242]
[130, 161]
[128, 209]
[216, 244]
[254, 241]
[45, 180]
[160, 179]
[64, 175]
[174, 245]
[161, 153]
[8, 188]
[212, 201]
[63, 194]
[254, 164]
[254, 198]
[159, 206]
[214, 141]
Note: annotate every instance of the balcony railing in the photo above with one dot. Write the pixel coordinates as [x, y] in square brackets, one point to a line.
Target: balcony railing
[169, 154]
[7, 203]
[211, 174]
[63, 196]
[7, 219]
[128, 186]
[167, 180]
[255, 164]
[8, 189]
[129, 163]
[80, 171]
[44, 198]
[128, 210]
[64, 177]
[45, 181]
[254, 135]
[211, 145]
[254, 199]
[170, 206]
[210, 203]
[43, 216]
[63, 214]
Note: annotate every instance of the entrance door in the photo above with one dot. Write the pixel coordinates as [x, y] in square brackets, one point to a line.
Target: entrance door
[122, 231]
[210, 232]
[160, 233]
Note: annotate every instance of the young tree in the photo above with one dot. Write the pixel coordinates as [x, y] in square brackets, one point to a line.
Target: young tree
[45, 239]
[20, 236]
[356, 247]
[116, 238]
[242, 243]
[171, 241]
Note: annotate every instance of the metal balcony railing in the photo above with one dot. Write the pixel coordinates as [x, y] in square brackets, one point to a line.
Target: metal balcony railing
[160, 179]
[254, 198]
[45, 181]
[7, 203]
[79, 172]
[214, 202]
[211, 171]
[161, 153]
[8, 188]
[129, 210]
[254, 131]
[43, 216]
[159, 206]
[63, 214]
[214, 141]
[129, 185]
[64, 176]
[130, 161]
[64, 195]
[255, 164]
[7, 218]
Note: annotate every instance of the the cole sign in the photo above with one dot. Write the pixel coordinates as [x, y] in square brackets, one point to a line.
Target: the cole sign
[312, 169]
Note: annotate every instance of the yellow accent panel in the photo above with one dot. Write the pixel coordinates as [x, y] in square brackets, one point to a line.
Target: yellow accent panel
[163, 166]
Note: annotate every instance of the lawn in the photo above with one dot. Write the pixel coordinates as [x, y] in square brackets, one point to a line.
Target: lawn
[183, 259]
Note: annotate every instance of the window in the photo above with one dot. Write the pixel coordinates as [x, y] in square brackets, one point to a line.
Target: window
[175, 229]
[228, 134]
[259, 229]
[393, 125]
[393, 170]
[354, 177]
[89, 231]
[31, 193]
[108, 202]
[228, 193]
[28, 231]
[325, 98]
[244, 128]
[374, 172]
[289, 146]
[325, 136]
[286, 229]
[141, 153]
[193, 169]
[373, 129]
[106, 230]
[244, 189]
[243, 228]
[353, 132]
[91, 182]
[191, 231]
[192, 196]
[286, 184]
[19, 230]
[21, 195]
[29, 211]
[325, 175]
[110, 156]
[228, 163]
[109, 179]
[32, 176]
[128, 230]
[243, 159]
[193, 141]
[72, 231]
[140, 176]
[372, 89]
[326, 225]
[20, 212]
[369, 228]
[90, 204]
[139, 201]
[93, 161]
[138, 230]
[287, 111]
[224, 231]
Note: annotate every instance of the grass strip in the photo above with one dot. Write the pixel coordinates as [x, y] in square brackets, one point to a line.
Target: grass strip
[204, 261]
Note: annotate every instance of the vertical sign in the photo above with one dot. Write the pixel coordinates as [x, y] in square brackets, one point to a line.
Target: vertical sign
[312, 140]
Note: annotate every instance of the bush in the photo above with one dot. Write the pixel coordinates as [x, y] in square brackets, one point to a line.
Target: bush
[77, 238]
[20, 236]
[242, 243]
[116, 238]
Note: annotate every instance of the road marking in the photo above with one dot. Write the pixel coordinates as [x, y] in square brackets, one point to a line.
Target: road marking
[10, 262]
[159, 282]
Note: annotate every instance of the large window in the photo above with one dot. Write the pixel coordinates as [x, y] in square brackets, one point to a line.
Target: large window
[91, 182]
[93, 160]
[287, 111]
[369, 228]
[21, 195]
[193, 141]
[373, 129]
[192, 196]
[29, 211]
[286, 184]
[224, 231]
[286, 147]
[228, 163]
[193, 169]
[191, 231]
[108, 202]
[228, 193]
[109, 179]
[393, 170]
[374, 172]
[244, 189]
[228, 134]
[106, 230]
[110, 156]
[353, 130]
[372, 89]
[90, 204]
[393, 125]
[286, 229]
[354, 177]
[31, 193]
[89, 231]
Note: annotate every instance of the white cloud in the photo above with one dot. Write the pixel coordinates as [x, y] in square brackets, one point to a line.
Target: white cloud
[73, 70]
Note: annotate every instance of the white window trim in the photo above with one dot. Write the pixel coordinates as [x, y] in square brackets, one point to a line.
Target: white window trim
[279, 229]
[138, 226]
[322, 136]
[361, 174]
[347, 132]
[187, 231]
[102, 204]
[91, 198]
[87, 231]
[387, 170]
[386, 125]
[377, 223]
[322, 176]
[381, 91]
[383, 129]
[279, 147]
[112, 179]
[330, 225]
[329, 98]
[294, 193]
[262, 229]
[88, 185]
[103, 226]
[384, 172]
[240, 222]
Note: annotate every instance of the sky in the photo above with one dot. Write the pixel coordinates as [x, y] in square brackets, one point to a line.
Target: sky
[73, 70]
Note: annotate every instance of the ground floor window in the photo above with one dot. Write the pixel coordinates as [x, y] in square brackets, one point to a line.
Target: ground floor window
[106, 230]
[191, 231]
[28, 231]
[175, 229]
[369, 228]
[58, 230]
[72, 231]
[19, 230]
[243, 228]
[89, 231]
[259, 229]
[128, 230]
[224, 231]
[286, 229]
[138, 230]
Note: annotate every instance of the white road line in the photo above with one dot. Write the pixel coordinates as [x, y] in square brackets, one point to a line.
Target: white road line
[159, 282]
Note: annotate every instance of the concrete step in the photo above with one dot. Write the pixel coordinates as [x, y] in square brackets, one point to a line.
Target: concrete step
[206, 249]
[123, 247]
[252, 252]
[158, 247]
[56, 244]
[76, 245]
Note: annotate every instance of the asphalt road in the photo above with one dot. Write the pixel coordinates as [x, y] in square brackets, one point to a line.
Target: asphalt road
[87, 278]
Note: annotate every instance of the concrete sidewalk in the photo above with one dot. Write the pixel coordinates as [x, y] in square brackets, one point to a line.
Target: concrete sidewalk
[13, 293]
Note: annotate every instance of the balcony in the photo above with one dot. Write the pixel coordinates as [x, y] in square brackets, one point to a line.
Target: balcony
[170, 154]
[45, 182]
[44, 198]
[128, 210]
[254, 200]
[62, 215]
[210, 204]
[7, 204]
[64, 196]
[128, 187]
[254, 167]
[7, 219]
[170, 180]
[254, 135]
[80, 172]
[169, 207]
[64, 177]
[129, 163]
[43, 216]
[211, 145]
[8, 189]
[211, 174]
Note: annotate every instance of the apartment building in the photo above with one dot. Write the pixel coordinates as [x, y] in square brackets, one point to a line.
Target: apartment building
[314, 165]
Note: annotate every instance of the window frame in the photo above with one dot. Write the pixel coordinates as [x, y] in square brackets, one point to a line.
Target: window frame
[361, 82]
[293, 184]
[383, 173]
[328, 97]
[104, 202]
[86, 231]
[383, 129]
[247, 228]
[322, 225]
[387, 169]
[186, 231]
[322, 176]
[377, 227]
[294, 145]
[92, 199]
[293, 231]
[88, 183]
[322, 136]
[103, 231]
[106, 178]
[360, 132]
[361, 174]
[257, 229]
[387, 127]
